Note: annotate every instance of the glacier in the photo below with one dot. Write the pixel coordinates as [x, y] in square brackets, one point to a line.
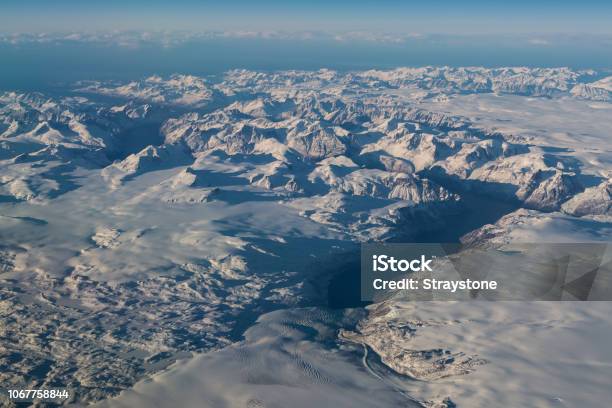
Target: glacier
[152, 230]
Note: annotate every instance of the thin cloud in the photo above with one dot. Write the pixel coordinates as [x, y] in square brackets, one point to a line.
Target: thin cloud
[539, 41]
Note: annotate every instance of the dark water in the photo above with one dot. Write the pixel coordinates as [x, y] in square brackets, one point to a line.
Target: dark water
[135, 139]
[479, 210]
[344, 289]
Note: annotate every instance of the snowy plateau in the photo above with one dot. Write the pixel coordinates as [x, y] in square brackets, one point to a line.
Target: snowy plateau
[171, 241]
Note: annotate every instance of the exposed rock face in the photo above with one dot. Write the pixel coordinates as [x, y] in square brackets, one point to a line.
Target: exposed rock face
[591, 92]
[479, 154]
[149, 159]
[528, 178]
[389, 335]
[186, 90]
[498, 233]
[255, 180]
[315, 143]
[382, 184]
[548, 192]
[593, 201]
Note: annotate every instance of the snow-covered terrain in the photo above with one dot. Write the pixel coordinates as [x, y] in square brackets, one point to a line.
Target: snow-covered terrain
[147, 222]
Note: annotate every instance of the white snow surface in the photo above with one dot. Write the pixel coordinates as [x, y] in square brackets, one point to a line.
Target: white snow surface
[155, 221]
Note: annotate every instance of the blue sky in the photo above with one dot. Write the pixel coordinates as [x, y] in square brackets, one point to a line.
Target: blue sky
[431, 16]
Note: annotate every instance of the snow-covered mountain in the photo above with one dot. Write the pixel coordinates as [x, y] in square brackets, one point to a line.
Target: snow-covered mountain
[160, 217]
